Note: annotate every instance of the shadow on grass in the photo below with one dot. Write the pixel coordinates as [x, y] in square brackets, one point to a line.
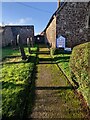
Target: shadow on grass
[55, 88]
[44, 52]
[30, 95]
[47, 62]
[29, 59]
[9, 57]
[45, 59]
[63, 58]
[25, 99]
[6, 85]
[58, 51]
[42, 45]
[54, 60]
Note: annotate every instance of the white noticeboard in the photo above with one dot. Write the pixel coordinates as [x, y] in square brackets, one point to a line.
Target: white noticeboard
[61, 42]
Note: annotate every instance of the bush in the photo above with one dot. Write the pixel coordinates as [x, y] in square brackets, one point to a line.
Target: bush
[79, 67]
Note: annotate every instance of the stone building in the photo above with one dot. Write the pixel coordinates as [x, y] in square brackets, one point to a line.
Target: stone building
[10, 33]
[71, 20]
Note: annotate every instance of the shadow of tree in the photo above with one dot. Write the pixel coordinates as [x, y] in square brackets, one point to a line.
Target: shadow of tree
[66, 58]
[29, 59]
[54, 88]
[26, 97]
[30, 95]
[54, 60]
[44, 52]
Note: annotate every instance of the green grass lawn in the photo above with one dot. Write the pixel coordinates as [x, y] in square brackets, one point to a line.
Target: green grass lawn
[15, 80]
[63, 62]
[9, 51]
[76, 68]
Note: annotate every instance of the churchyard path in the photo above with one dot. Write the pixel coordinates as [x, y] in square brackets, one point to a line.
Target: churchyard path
[55, 97]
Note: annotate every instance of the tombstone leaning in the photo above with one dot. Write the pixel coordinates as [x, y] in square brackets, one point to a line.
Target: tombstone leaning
[21, 48]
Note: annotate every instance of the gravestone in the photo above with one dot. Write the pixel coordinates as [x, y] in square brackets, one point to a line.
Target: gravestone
[31, 41]
[12, 43]
[21, 48]
[28, 44]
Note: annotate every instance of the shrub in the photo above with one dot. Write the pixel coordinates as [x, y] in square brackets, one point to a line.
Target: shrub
[79, 67]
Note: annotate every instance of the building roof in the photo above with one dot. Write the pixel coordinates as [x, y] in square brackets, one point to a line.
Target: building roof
[55, 13]
[52, 17]
[19, 25]
[16, 26]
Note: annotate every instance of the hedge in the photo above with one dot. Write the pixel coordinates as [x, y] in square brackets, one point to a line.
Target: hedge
[79, 67]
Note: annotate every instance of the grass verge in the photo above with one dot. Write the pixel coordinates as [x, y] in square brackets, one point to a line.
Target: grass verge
[16, 77]
[62, 59]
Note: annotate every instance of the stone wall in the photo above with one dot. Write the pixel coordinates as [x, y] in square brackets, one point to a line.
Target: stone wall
[72, 22]
[50, 33]
[1, 31]
[23, 31]
[7, 36]
[10, 33]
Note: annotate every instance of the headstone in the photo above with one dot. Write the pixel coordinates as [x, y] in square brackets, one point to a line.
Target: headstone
[28, 44]
[31, 40]
[12, 43]
[21, 48]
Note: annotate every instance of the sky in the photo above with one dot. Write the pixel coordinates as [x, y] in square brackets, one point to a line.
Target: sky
[28, 13]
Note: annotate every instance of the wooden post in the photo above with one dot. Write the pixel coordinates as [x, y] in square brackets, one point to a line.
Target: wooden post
[28, 44]
[21, 48]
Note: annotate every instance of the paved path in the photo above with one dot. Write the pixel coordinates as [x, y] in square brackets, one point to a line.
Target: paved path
[54, 96]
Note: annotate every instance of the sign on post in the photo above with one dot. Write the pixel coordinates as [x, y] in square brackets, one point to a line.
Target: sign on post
[60, 42]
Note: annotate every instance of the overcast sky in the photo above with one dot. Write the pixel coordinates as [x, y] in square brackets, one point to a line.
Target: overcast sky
[28, 13]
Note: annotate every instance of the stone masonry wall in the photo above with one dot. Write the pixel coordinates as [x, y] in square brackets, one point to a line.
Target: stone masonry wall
[72, 22]
[51, 33]
[1, 31]
[7, 36]
[10, 33]
[24, 32]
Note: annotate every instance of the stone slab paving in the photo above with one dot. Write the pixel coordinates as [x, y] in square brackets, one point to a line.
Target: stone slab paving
[54, 103]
